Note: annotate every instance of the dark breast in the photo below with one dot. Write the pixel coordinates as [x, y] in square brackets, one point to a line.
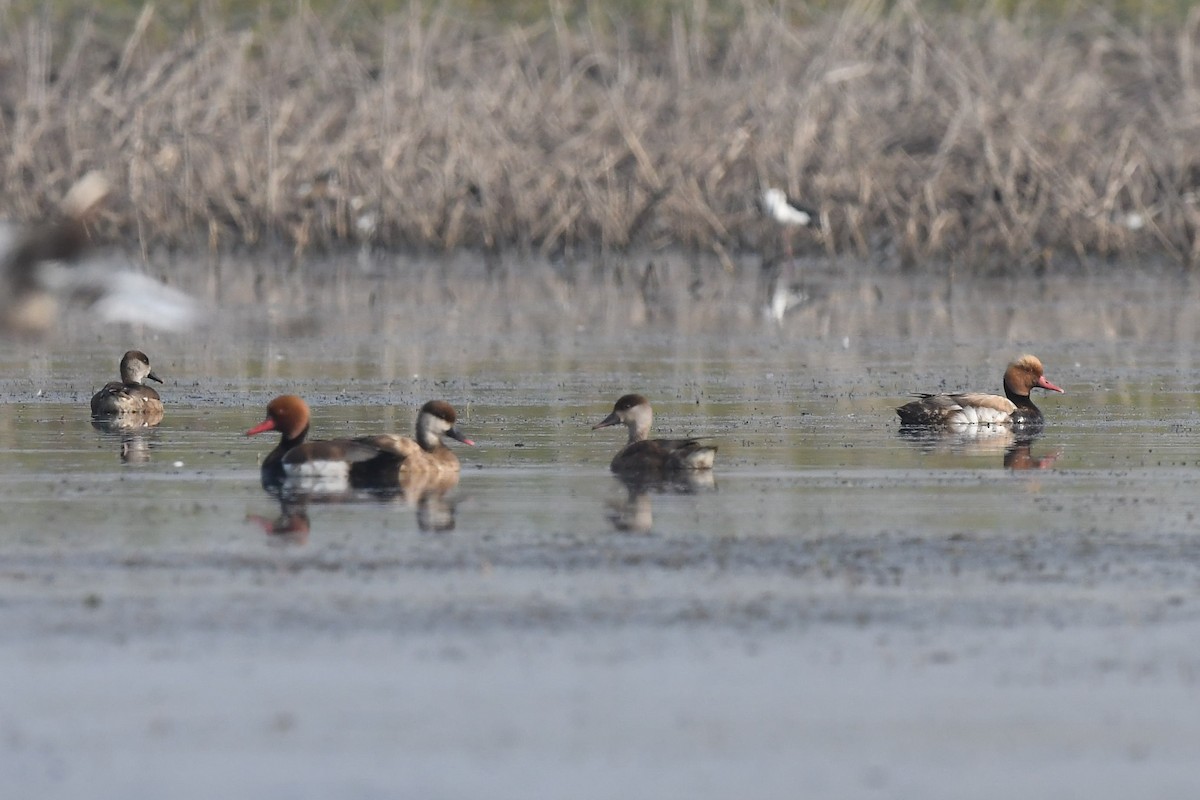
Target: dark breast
[1027, 413]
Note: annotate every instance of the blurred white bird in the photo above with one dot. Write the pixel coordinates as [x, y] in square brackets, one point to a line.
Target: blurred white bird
[784, 293]
[786, 211]
[43, 265]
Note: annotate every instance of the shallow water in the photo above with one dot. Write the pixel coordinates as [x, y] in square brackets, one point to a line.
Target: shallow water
[842, 606]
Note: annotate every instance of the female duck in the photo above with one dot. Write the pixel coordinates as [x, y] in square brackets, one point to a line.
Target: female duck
[972, 408]
[644, 455]
[362, 461]
[129, 395]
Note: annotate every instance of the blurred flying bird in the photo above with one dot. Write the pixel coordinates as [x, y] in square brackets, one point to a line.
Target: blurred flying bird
[41, 265]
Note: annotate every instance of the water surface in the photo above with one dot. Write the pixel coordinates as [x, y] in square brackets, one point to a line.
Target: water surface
[840, 607]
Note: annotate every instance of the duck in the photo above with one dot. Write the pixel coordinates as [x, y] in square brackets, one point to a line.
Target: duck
[364, 461]
[130, 395]
[643, 455]
[974, 408]
[44, 263]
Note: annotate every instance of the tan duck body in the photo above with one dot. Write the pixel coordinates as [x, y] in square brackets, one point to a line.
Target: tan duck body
[643, 455]
[365, 461]
[130, 395]
[975, 408]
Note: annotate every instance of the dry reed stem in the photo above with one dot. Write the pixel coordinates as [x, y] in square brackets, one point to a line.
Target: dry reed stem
[979, 139]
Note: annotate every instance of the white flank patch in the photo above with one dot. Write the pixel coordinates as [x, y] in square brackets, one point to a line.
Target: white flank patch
[318, 476]
[316, 484]
[975, 415]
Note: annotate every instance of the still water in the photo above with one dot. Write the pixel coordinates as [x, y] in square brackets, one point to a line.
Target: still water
[839, 605]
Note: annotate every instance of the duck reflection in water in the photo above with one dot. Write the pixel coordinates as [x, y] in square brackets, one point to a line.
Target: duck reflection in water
[1018, 457]
[290, 527]
[385, 467]
[635, 513]
[1013, 444]
[134, 433]
[425, 494]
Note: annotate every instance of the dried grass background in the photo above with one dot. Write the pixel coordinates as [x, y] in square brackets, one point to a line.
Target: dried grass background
[983, 139]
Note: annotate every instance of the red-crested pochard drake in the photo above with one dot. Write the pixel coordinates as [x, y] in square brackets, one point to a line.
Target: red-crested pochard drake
[362, 461]
[130, 395]
[972, 408]
[647, 456]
